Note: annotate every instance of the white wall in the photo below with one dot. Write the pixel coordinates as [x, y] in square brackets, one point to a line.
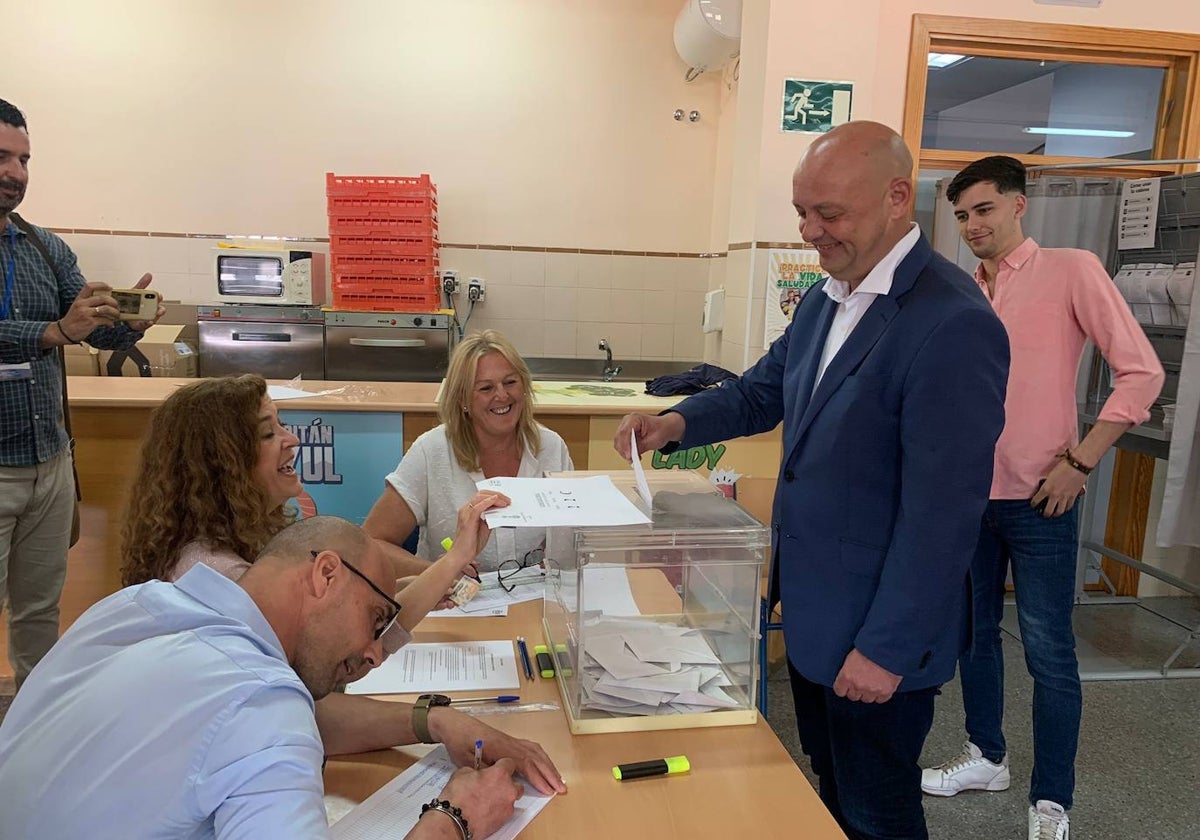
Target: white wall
[544, 123]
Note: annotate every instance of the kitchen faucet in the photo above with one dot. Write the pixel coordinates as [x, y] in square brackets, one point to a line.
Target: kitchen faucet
[610, 370]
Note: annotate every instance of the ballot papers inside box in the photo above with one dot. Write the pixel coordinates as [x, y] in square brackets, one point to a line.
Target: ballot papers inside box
[656, 626]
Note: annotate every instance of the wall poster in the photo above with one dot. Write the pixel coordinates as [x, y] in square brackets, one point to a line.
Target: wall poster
[790, 274]
[814, 107]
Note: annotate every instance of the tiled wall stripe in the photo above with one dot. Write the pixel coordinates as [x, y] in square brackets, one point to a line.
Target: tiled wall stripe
[535, 249]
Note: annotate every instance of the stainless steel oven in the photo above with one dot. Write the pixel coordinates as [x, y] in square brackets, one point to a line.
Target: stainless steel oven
[276, 342]
[388, 346]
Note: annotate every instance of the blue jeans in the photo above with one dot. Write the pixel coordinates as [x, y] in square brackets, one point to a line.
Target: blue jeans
[866, 758]
[1042, 553]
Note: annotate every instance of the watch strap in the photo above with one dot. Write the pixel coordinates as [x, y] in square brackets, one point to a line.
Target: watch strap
[420, 716]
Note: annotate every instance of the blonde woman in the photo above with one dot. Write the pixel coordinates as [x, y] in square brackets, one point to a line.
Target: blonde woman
[487, 430]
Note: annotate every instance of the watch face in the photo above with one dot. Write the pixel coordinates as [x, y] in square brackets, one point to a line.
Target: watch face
[435, 699]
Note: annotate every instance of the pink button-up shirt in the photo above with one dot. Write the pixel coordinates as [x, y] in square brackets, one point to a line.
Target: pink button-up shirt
[1051, 300]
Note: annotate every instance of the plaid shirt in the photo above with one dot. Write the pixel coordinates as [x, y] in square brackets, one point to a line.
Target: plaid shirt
[31, 429]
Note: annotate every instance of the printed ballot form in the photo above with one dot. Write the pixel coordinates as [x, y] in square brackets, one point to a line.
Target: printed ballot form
[393, 810]
[443, 666]
[557, 502]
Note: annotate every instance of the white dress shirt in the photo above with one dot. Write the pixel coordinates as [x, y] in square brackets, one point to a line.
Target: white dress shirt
[853, 305]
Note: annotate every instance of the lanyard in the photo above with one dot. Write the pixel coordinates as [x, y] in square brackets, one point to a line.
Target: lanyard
[10, 272]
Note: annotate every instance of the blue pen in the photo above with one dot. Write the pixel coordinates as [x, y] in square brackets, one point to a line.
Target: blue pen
[503, 698]
[478, 754]
[525, 658]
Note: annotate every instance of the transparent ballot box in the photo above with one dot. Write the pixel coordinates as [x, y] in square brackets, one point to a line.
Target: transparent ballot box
[657, 626]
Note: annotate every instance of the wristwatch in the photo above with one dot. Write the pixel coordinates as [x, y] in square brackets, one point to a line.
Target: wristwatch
[420, 715]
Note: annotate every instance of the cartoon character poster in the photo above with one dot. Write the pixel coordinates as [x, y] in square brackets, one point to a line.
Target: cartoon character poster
[790, 274]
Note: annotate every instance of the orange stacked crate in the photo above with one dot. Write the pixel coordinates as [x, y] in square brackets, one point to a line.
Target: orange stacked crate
[383, 243]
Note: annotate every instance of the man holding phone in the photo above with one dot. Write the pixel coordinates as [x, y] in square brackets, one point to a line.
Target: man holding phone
[1050, 300]
[45, 304]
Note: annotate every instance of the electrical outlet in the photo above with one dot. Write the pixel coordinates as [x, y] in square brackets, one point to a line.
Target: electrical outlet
[475, 290]
[450, 281]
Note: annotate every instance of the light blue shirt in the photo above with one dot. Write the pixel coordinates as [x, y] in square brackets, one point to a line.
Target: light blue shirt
[168, 710]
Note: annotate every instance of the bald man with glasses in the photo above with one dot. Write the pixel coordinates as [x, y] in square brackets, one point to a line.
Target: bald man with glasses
[186, 709]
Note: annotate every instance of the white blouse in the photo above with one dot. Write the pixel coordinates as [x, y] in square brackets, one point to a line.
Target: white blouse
[433, 484]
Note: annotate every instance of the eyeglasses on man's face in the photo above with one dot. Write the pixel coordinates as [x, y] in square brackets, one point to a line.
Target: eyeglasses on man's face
[385, 629]
[510, 568]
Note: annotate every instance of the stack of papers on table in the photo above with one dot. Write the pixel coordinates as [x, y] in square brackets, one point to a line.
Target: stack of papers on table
[648, 668]
[529, 584]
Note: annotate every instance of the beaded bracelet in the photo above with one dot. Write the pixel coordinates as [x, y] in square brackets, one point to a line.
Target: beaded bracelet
[1075, 463]
[450, 811]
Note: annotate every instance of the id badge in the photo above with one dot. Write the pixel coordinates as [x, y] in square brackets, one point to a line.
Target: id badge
[15, 373]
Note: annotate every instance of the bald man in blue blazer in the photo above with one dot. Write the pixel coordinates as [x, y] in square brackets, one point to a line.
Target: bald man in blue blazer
[890, 385]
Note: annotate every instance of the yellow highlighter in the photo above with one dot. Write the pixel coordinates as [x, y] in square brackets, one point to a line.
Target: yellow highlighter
[657, 767]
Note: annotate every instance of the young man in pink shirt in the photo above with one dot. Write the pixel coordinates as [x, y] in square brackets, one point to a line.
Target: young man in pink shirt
[1050, 300]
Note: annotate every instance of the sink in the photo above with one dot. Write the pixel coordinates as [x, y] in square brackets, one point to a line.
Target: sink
[561, 369]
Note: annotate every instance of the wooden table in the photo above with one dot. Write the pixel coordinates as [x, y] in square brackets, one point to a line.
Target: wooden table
[742, 783]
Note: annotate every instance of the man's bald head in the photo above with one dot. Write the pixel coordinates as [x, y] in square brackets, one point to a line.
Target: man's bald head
[864, 146]
[853, 192]
[327, 618]
[293, 543]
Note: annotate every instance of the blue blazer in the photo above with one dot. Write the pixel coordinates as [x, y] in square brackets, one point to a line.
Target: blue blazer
[886, 468]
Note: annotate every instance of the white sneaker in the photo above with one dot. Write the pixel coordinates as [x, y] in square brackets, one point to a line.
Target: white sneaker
[968, 771]
[1048, 821]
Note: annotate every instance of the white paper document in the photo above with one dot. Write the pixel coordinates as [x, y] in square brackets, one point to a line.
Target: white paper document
[447, 666]
[393, 810]
[283, 392]
[1137, 217]
[551, 502]
[528, 584]
[639, 474]
[651, 668]
[458, 612]
[606, 589]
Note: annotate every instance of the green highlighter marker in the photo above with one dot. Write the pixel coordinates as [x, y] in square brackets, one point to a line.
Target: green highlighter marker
[658, 767]
[564, 661]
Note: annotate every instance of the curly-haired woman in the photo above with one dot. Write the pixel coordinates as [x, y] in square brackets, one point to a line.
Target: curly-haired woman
[215, 475]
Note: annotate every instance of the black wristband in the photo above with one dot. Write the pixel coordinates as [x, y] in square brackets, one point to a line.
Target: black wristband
[1075, 463]
[58, 324]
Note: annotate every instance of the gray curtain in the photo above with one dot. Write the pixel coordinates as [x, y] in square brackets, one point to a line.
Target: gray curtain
[1063, 213]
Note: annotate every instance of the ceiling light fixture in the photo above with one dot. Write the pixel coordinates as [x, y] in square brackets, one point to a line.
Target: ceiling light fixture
[1077, 132]
[940, 61]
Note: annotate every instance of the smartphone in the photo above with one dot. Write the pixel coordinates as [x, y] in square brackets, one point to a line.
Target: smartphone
[136, 304]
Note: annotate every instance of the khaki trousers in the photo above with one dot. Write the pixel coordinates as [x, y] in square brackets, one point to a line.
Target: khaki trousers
[36, 504]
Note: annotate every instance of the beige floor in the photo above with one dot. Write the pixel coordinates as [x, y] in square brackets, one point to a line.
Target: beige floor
[93, 572]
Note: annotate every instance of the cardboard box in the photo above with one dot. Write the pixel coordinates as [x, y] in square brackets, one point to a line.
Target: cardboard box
[159, 353]
[82, 360]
